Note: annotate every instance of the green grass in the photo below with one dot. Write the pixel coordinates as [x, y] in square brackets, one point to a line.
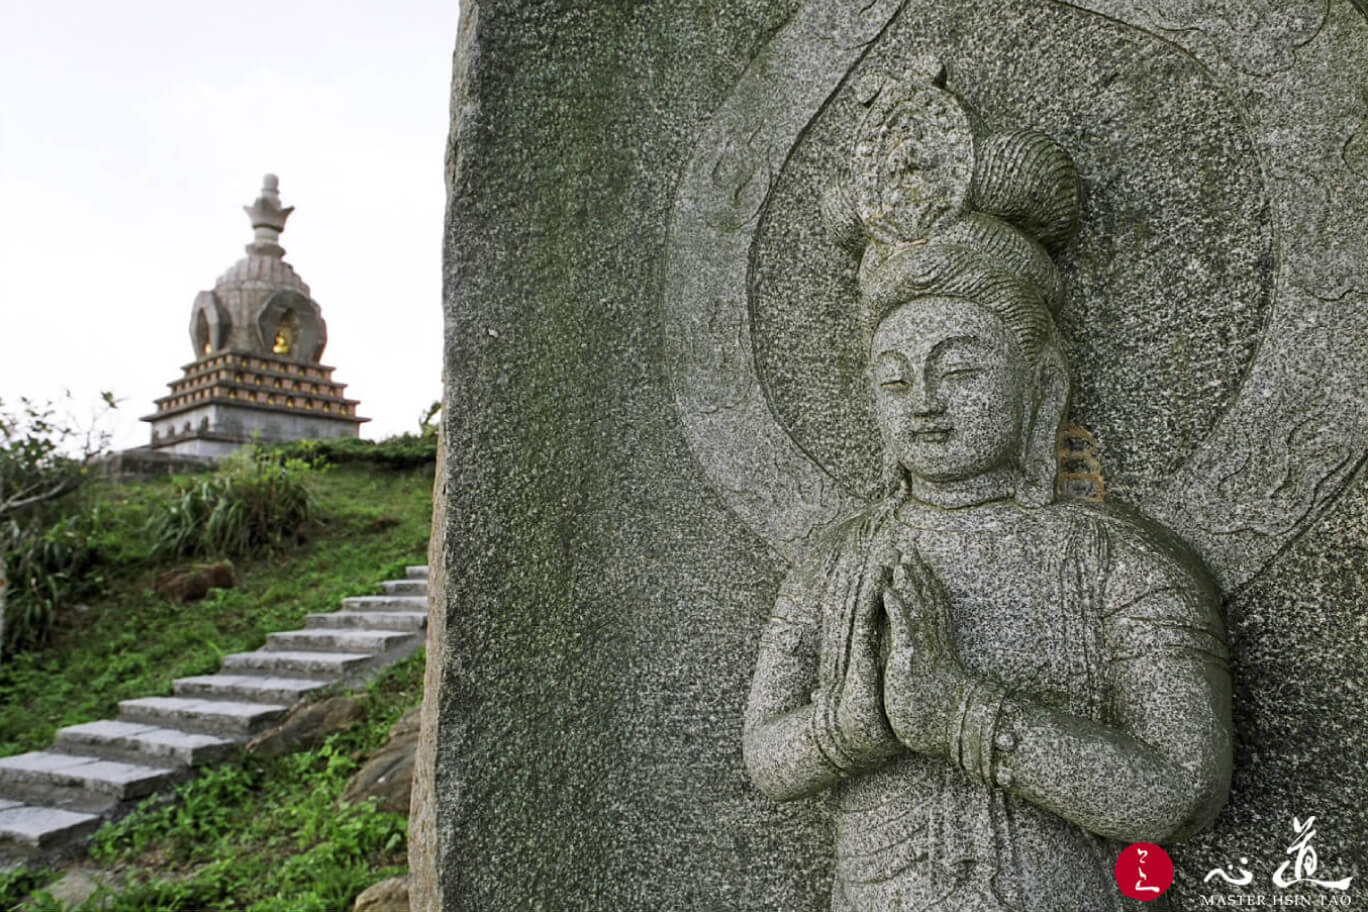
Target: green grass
[15, 885]
[262, 836]
[259, 835]
[133, 643]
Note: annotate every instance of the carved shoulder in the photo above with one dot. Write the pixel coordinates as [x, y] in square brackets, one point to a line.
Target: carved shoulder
[1141, 555]
[801, 592]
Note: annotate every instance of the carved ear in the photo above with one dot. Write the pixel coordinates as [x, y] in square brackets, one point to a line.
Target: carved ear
[1039, 457]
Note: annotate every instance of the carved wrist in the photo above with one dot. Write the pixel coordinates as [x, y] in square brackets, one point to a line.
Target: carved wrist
[826, 734]
[973, 734]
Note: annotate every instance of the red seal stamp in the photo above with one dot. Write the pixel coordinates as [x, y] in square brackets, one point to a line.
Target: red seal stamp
[1144, 871]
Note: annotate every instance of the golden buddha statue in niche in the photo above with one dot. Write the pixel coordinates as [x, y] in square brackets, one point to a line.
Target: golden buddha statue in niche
[287, 333]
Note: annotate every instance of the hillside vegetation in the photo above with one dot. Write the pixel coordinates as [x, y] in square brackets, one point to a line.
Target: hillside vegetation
[302, 527]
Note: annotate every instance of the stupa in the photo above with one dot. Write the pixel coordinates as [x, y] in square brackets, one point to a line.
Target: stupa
[258, 339]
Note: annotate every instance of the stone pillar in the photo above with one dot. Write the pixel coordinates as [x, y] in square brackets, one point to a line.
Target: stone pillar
[657, 403]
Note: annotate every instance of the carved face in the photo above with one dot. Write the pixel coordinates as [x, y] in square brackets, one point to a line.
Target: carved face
[949, 387]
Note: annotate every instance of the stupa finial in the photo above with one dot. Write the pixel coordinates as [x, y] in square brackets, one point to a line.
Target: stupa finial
[268, 219]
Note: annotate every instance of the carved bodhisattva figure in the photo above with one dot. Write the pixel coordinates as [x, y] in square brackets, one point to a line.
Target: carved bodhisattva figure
[1000, 689]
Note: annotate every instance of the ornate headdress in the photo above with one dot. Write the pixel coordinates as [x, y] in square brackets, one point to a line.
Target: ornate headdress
[938, 206]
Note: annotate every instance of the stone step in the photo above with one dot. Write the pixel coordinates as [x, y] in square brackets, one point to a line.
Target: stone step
[404, 587]
[57, 769]
[368, 642]
[35, 827]
[334, 665]
[409, 621]
[385, 603]
[141, 743]
[52, 800]
[249, 687]
[232, 718]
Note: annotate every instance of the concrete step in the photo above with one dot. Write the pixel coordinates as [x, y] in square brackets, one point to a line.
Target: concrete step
[60, 770]
[368, 642]
[334, 665]
[248, 687]
[50, 801]
[234, 719]
[385, 603]
[409, 621]
[404, 587]
[141, 743]
[34, 827]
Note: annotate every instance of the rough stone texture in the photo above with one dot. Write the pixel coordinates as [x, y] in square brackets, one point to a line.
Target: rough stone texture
[136, 742]
[387, 896]
[388, 773]
[261, 688]
[643, 430]
[216, 429]
[423, 806]
[141, 463]
[1298, 641]
[188, 584]
[39, 826]
[226, 717]
[77, 887]
[306, 726]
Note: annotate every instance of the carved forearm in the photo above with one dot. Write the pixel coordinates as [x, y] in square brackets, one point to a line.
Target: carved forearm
[783, 757]
[1099, 777]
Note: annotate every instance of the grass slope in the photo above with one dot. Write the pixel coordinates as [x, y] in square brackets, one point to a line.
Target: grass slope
[265, 836]
[133, 643]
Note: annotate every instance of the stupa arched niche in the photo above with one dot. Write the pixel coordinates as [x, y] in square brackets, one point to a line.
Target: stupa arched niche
[209, 325]
[291, 326]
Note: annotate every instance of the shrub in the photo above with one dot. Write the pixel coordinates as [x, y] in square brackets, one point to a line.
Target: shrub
[251, 505]
[46, 569]
[406, 451]
[42, 554]
[17, 883]
[36, 468]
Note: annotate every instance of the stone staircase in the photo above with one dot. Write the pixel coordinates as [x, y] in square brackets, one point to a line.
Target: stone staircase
[51, 800]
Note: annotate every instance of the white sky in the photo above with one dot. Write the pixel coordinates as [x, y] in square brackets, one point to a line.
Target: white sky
[131, 135]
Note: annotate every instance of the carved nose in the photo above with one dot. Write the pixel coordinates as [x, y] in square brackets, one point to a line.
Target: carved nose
[926, 401]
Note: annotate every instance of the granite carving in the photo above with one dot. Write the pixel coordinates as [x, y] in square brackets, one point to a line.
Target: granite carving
[993, 683]
[660, 417]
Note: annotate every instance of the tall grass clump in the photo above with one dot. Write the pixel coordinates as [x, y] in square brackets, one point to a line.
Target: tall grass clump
[249, 506]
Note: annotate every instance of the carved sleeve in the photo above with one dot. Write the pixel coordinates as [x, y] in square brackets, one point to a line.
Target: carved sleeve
[781, 750]
[1156, 766]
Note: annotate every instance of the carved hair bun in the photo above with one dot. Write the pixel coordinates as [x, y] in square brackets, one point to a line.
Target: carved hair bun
[1026, 179]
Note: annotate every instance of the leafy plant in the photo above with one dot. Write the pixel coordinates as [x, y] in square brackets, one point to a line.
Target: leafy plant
[47, 569]
[249, 506]
[36, 462]
[406, 451]
[197, 817]
[38, 472]
[17, 883]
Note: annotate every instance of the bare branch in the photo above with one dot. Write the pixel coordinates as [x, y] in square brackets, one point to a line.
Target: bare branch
[24, 499]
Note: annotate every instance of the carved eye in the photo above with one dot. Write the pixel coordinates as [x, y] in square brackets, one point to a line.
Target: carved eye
[894, 383]
[961, 373]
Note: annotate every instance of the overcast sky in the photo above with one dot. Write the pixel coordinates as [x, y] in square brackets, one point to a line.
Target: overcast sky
[131, 135]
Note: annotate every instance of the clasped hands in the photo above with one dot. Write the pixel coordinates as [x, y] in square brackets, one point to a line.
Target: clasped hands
[902, 696]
